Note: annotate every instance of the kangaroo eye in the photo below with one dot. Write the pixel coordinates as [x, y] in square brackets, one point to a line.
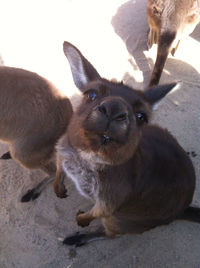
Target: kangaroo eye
[141, 117]
[92, 95]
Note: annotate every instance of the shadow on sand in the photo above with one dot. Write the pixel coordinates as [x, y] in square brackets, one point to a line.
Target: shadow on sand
[130, 23]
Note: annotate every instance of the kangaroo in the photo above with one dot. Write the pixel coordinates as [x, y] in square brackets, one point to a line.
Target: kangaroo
[33, 116]
[136, 174]
[169, 22]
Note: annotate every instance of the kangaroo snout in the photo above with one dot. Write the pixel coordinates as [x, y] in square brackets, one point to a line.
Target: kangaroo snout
[114, 115]
[107, 121]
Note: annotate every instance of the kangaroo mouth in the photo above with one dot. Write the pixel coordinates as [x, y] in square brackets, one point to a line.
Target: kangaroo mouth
[105, 140]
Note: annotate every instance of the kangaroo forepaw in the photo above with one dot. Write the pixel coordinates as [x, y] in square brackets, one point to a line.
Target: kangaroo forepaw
[80, 212]
[81, 219]
[60, 191]
[30, 195]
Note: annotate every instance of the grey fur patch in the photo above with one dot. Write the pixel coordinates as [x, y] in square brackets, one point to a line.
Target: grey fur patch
[80, 171]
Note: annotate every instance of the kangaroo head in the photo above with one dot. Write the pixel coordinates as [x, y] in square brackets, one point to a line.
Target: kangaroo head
[109, 121]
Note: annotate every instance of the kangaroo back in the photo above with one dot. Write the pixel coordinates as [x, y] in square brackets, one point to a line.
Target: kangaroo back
[29, 100]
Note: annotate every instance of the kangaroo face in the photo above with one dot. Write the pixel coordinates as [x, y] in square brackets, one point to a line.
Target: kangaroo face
[107, 125]
[109, 121]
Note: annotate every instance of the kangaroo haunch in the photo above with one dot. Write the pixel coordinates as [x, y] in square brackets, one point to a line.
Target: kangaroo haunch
[33, 116]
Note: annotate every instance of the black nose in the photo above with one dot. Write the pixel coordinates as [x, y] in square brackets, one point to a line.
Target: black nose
[114, 111]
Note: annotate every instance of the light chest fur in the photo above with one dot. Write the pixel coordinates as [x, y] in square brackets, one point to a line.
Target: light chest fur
[79, 167]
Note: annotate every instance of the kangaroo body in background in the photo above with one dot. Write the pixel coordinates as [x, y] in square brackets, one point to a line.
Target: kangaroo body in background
[137, 175]
[33, 116]
[169, 22]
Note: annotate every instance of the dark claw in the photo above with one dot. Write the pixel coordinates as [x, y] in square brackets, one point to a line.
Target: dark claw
[30, 195]
[6, 156]
[76, 240]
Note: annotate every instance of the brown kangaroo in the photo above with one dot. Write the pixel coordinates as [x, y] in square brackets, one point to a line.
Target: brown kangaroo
[169, 22]
[33, 116]
[137, 175]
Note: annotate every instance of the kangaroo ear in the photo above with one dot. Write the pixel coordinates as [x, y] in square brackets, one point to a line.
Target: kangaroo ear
[155, 94]
[82, 70]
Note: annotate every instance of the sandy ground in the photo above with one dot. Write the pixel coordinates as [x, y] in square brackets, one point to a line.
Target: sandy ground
[113, 37]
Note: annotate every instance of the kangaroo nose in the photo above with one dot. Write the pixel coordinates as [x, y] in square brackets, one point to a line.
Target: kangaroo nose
[113, 111]
[121, 117]
[103, 109]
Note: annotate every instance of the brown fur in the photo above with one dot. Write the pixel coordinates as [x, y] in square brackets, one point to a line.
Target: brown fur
[33, 116]
[137, 175]
[169, 21]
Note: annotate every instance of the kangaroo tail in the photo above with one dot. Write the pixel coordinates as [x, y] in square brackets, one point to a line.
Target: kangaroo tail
[164, 45]
[191, 214]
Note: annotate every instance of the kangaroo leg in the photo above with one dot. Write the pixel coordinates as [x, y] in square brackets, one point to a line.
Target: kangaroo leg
[152, 38]
[175, 48]
[164, 44]
[84, 219]
[32, 194]
[31, 157]
[6, 156]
